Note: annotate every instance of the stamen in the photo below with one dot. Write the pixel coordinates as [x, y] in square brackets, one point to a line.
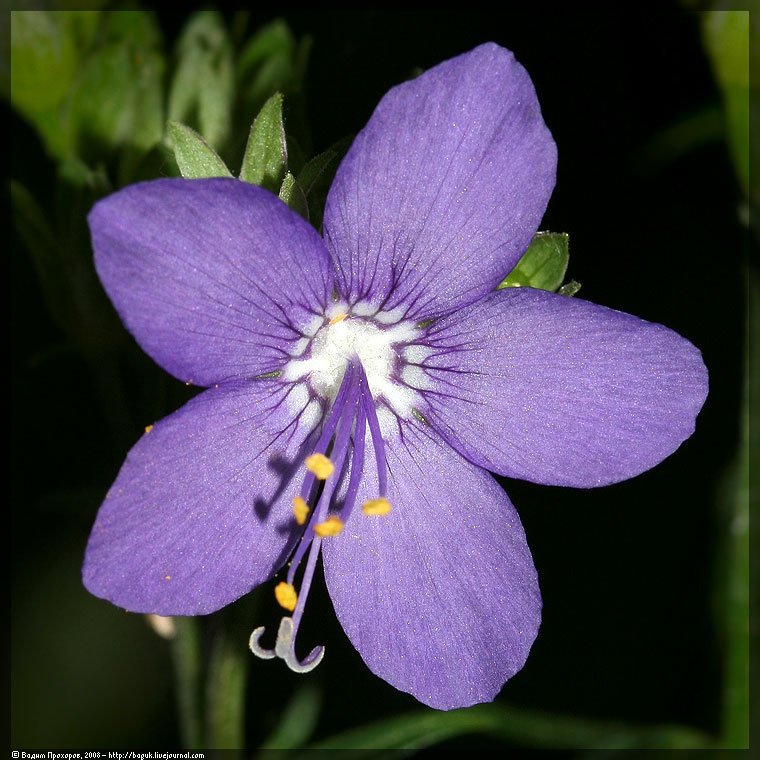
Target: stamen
[339, 318]
[339, 450]
[357, 464]
[379, 506]
[300, 510]
[352, 410]
[330, 527]
[286, 596]
[328, 429]
[377, 438]
[320, 465]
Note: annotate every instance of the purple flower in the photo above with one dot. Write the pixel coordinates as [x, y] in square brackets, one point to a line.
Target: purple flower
[361, 386]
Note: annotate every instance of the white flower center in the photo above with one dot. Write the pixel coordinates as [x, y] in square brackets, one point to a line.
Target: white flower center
[383, 345]
[336, 344]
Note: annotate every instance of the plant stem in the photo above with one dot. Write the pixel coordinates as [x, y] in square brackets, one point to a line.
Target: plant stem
[186, 654]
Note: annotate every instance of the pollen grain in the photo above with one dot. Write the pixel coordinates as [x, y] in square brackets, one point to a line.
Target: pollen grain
[320, 465]
[379, 506]
[330, 527]
[300, 510]
[286, 596]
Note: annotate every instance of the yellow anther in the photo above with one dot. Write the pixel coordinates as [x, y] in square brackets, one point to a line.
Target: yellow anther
[379, 506]
[330, 527]
[148, 428]
[300, 510]
[320, 465]
[339, 318]
[286, 596]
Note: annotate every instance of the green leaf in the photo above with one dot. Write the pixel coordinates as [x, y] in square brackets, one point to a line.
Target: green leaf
[202, 89]
[102, 105]
[543, 265]
[298, 720]
[273, 40]
[117, 100]
[44, 59]
[195, 157]
[513, 725]
[86, 101]
[266, 154]
[317, 175]
[314, 169]
[273, 61]
[44, 62]
[726, 38]
[292, 194]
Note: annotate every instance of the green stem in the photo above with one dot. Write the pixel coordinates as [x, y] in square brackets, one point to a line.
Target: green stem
[736, 609]
[225, 687]
[186, 654]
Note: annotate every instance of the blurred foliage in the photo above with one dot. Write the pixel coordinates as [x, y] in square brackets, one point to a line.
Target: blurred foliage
[202, 88]
[524, 728]
[726, 37]
[112, 105]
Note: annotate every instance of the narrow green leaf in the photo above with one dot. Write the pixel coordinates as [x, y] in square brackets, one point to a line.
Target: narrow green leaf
[102, 107]
[318, 175]
[202, 89]
[726, 37]
[292, 194]
[216, 95]
[273, 61]
[313, 170]
[148, 123]
[298, 720]
[117, 99]
[735, 501]
[195, 157]
[271, 40]
[267, 63]
[514, 725]
[543, 265]
[266, 155]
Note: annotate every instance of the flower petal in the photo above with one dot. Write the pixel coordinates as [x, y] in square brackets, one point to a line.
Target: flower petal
[439, 596]
[441, 192]
[214, 277]
[201, 510]
[560, 391]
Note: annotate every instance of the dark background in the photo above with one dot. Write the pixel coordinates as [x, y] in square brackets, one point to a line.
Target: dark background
[627, 572]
